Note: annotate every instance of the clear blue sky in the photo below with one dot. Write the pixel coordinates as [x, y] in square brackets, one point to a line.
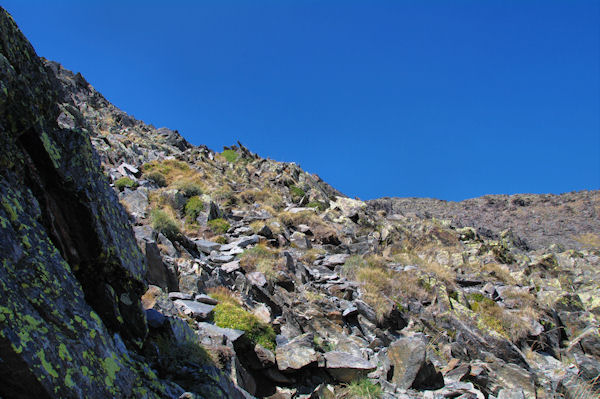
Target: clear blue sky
[444, 99]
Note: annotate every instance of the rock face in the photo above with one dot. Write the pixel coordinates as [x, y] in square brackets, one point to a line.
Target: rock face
[72, 273]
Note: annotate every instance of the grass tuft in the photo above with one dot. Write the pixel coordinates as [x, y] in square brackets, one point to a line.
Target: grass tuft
[165, 224]
[219, 226]
[361, 389]
[158, 178]
[125, 182]
[231, 315]
[193, 207]
[259, 258]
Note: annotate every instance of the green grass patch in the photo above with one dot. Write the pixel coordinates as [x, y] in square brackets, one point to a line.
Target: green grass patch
[193, 207]
[230, 156]
[230, 315]
[320, 206]
[125, 182]
[157, 178]
[219, 226]
[164, 223]
[296, 192]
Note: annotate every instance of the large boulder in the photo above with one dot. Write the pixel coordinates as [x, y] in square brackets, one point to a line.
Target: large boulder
[408, 356]
[345, 367]
[296, 354]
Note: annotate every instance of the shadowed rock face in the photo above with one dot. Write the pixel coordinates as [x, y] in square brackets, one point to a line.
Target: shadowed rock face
[538, 220]
[71, 273]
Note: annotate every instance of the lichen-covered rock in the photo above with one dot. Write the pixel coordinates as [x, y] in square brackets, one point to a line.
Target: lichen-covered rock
[71, 322]
[71, 274]
[296, 354]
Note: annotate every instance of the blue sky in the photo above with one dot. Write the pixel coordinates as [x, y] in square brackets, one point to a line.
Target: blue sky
[444, 99]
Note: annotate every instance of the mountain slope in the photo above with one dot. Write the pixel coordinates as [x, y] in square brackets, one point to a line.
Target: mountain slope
[259, 279]
[538, 220]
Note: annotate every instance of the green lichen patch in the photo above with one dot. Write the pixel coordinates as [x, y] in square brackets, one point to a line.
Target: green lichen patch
[51, 149]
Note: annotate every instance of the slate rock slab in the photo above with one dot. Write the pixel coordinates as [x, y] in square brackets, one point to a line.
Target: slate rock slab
[197, 310]
[345, 367]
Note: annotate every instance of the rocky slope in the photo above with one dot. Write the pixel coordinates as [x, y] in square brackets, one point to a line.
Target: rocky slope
[262, 279]
[538, 220]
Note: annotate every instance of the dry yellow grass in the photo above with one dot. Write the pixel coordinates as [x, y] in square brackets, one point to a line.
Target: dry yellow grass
[260, 258]
[223, 295]
[589, 240]
[266, 196]
[309, 218]
[501, 272]
[311, 255]
[441, 272]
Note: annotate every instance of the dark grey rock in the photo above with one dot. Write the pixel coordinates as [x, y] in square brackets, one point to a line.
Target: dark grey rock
[155, 318]
[207, 246]
[334, 260]
[345, 367]
[266, 232]
[217, 257]
[214, 212]
[231, 267]
[296, 354]
[197, 310]
[180, 295]
[407, 356]
[135, 202]
[206, 299]
[219, 332]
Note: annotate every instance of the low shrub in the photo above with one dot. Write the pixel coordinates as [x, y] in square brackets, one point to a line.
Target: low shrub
[297, 193]
[125, 182]
[190, 188]
[230, 315]
[219, 226]
[193, 207]
[220, 240]
[157, 178]
[230, 156]
[320, 206]
[165, 224]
